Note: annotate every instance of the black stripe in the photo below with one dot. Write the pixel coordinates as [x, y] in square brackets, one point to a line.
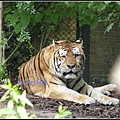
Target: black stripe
[44, 59]
[39, 63]
[34, 63]
[24, 72]
[79, 90]
[76, 82]
[28, 68]
[55, 83]
[62, 80]
[34, 60]
[86, 92]
[28, 79]
[23, 75]
[69, 81]
[89, 94]
[54, 63]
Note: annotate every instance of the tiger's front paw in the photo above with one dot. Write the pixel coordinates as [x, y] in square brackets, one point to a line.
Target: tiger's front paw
[86, 100]
[109, 101]
[112, 101]
[89, 101]
[108, 88]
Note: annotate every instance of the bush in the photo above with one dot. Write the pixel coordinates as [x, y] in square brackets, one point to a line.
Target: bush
[16, 105]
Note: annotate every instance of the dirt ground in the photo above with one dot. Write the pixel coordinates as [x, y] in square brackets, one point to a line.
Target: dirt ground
[48, 108]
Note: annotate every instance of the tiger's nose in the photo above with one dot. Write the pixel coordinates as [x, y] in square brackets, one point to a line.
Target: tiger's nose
[71, 66]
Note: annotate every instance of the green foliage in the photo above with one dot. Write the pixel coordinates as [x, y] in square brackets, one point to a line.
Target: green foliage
[91, 13]
[109, 27]
[4, 40]
[16, 105]
[62, 112]
[24, 36]
[19, 16]
[3, 71]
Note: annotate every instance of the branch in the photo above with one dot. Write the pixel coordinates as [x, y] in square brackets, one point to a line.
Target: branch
[12, 52]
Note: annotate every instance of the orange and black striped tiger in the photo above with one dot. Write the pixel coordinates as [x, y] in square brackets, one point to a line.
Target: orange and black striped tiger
[57, 72]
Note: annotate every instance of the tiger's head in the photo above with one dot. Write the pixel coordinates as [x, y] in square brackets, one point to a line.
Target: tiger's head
[68, 59]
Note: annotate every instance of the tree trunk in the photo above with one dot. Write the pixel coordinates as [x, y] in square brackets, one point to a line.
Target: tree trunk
[1, 9]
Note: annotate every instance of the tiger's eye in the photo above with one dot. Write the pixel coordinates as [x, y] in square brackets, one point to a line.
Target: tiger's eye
[76, 55]
[63, 56]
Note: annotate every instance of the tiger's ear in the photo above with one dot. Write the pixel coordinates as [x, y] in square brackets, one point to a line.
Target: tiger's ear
[54, 44]
[80, 41]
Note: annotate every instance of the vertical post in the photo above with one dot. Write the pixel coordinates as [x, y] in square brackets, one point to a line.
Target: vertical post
[85, 35]
[77, 27]
[1, 7]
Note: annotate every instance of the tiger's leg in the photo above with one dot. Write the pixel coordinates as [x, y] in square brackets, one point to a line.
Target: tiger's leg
[106, 89]
[62, 92]
[99, 97]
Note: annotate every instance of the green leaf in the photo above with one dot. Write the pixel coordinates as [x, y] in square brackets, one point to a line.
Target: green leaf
[60, 108]
[110, 14]
[24, 99]
[48, 12]
[14, 17]
[71, 12]
[25, 19]
[54, 18]
[94, 22]
[109, 27]
[10, 104]
[22, 112]
[88, 12]
[5, 86]
[82, 5]
[80, 17]
[87, 19]
[7, 111]
[65, 113]
[7, 17]
[57, 116]
[62, 14]
[9, 83]
[7, 10]
[62, 112]
[15, 96]
[81, 23]
[101, 6]
[32, 116]
[38, 17]
[16, 86]
[4, 97]
[17, 27]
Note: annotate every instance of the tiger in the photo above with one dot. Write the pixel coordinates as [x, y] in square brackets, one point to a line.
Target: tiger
[56, 72]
